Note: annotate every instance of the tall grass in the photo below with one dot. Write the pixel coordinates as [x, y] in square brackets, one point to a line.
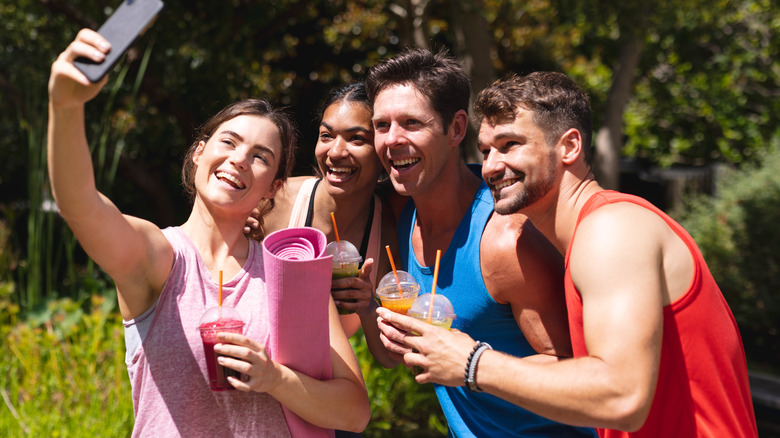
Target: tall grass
[64, 372]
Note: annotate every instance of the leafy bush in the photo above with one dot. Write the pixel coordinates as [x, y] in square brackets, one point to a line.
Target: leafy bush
[738, 234]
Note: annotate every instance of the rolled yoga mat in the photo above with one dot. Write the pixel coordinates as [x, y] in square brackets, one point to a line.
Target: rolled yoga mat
[298, 277]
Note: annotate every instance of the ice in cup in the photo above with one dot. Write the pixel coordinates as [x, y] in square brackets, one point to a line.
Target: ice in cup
[346, 263]
[391, 297]
[215, 320]
[440, 313]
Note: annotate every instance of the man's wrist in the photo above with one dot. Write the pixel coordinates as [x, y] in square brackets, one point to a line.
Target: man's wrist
[470, 377]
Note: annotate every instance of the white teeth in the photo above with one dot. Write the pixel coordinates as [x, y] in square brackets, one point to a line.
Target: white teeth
[340, 169]
[405, 162]
[504, 184]
[230, 178]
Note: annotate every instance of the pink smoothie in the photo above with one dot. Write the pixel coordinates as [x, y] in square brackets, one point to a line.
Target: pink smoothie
[218, 374]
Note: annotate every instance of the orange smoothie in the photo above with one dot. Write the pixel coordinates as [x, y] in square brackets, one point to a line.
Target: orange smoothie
[396, 301]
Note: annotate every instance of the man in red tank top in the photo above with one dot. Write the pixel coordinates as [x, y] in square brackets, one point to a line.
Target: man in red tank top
[657, 350]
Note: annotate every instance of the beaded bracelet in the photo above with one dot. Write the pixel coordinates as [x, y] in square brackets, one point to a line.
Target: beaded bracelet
[470, 378]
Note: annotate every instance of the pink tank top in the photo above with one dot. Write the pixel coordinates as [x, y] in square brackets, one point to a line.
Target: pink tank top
[171, 395]
[702, 388]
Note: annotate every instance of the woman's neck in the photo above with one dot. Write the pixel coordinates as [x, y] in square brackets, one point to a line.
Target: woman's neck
[351, 213]
[220, 241]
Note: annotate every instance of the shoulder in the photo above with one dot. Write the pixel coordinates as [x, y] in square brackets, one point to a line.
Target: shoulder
[515, 255]
[618, 221]
[617, 240]
[292, 186]
[284, 201]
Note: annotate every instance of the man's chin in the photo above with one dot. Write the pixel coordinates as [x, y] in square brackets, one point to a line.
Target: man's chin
[506, 207]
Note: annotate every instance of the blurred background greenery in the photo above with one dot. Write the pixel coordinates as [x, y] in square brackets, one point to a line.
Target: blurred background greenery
[685, 98]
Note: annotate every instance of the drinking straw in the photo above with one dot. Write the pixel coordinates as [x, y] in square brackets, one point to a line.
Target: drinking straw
[219, 297]
[435, 279]
[395, 273]
[335, 228]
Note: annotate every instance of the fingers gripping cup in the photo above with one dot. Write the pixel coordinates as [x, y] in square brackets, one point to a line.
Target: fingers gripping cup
[346, 263]
[216, 320]
[398, 301]
[434, 309]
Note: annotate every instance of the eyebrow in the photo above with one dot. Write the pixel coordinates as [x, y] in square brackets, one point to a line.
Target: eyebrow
[503, 135]
[351, 129]
[255, 146]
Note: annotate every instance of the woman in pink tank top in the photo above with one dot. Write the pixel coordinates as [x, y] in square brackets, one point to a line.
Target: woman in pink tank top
[240, 159]
[347, 173]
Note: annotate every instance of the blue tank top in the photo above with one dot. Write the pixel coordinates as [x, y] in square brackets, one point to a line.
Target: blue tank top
[481, 317]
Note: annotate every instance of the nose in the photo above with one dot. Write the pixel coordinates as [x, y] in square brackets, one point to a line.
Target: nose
[338, 148]
[240, 158]
[492, 164]
[394, 135]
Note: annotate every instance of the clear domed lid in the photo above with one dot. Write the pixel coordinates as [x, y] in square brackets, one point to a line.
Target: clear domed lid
[343, 252]
[441, 309]
[221, 316]
[388, 287]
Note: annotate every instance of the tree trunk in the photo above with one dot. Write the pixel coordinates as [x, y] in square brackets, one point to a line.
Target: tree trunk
[411, 18]
[473, 46]
[609, 139]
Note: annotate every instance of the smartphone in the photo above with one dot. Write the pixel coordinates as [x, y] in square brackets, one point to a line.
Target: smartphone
[123, 27]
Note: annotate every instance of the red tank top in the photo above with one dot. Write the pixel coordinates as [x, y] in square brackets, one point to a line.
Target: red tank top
[703, 388]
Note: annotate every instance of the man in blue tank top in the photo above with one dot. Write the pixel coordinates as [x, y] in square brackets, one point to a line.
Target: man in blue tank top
[499, 272]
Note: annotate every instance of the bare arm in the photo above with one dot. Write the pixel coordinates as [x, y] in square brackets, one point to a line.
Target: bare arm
[138, 257]
[338, 403]
[616, 265]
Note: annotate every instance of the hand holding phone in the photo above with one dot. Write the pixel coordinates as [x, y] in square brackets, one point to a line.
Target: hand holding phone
[122, 28]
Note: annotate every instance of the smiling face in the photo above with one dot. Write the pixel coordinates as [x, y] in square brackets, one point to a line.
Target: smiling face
[410, 139]
[518, 164]
[345, 148]
[237, 165]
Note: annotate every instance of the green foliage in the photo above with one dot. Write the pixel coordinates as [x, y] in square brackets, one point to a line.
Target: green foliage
[64, 372]
[399, 405]
[738, 235]
[708, 88]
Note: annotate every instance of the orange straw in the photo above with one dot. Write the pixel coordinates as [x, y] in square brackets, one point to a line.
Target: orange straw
[219, 297]
[395, 273]
[335, 228]
[435, 279]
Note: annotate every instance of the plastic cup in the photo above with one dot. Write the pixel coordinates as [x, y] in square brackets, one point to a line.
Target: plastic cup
[219, 320]
[391, 297]
[346, 263]
[440, 314]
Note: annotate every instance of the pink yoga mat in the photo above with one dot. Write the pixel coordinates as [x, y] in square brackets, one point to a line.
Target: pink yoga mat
[298, 276]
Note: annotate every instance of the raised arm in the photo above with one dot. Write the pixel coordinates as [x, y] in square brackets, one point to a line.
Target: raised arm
[132, 251]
